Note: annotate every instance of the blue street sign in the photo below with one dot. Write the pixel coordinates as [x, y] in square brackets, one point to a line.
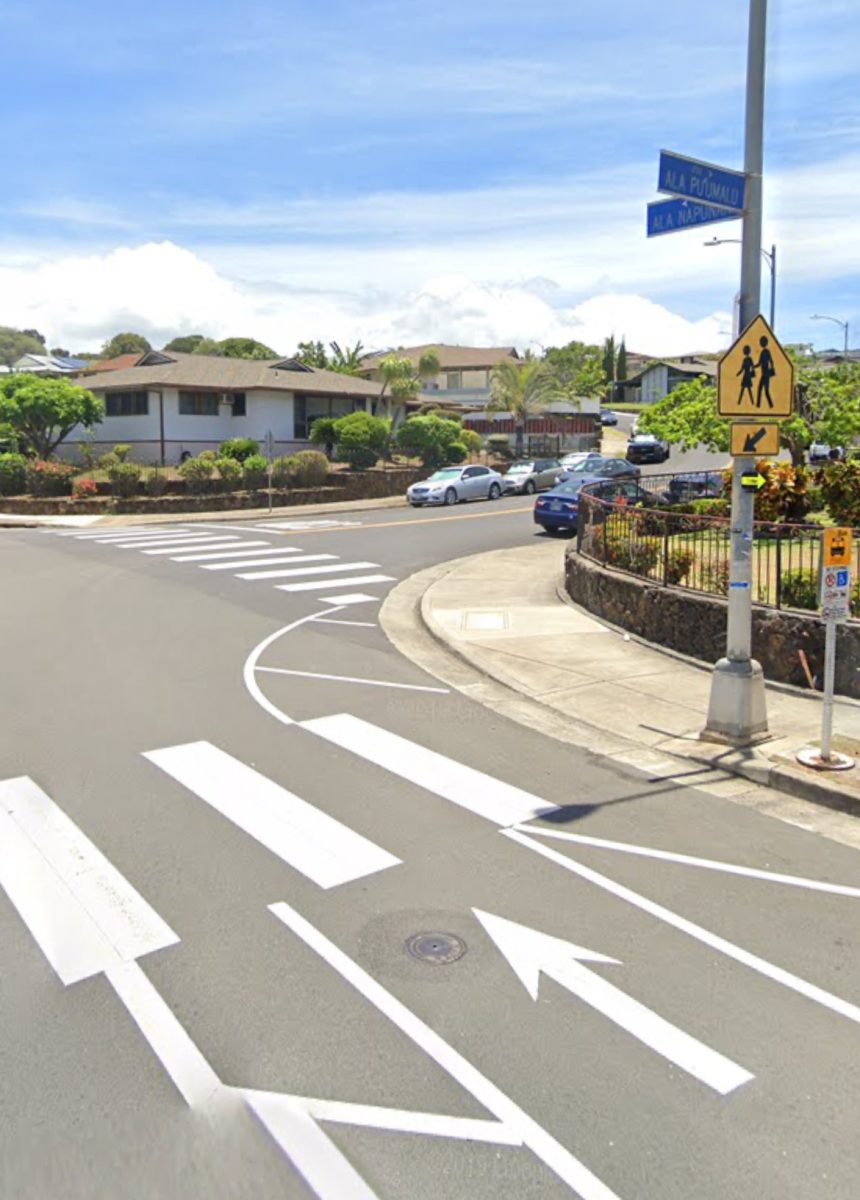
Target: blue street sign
[701, 181]
[669, 216]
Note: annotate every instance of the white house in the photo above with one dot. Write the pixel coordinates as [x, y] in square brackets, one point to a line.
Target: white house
[170, 405]
[49, 364]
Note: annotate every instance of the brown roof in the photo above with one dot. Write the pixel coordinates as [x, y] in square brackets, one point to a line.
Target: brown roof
[451, 358]
[204, 371]
[112, 364]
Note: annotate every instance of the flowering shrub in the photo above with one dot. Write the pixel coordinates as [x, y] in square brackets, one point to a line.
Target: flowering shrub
[84, 489]
[46, 477]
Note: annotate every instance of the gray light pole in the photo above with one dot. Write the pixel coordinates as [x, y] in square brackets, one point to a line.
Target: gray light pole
[836, 321]
[737, 711]
[769, 257]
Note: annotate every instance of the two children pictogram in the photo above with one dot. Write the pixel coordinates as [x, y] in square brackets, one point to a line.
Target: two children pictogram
[765, 369]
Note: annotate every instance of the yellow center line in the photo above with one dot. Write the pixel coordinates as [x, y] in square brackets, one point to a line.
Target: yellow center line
[510, 512]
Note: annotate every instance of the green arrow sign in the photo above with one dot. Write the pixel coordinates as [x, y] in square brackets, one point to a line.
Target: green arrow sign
[753, 482]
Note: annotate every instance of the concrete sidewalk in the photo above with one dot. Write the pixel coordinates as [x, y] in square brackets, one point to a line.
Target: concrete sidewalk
[505, 613]
[286, 512]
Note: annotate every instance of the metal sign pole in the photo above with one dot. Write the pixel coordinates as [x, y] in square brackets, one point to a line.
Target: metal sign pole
[737, 710]
[829, 689]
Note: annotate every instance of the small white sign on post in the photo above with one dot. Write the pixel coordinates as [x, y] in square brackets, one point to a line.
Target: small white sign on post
[835, 600]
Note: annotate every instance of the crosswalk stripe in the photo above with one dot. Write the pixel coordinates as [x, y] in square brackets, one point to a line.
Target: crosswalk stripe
[350, 598]
[216, 544]
[83, 914]
[113, 531]
[304, 837]
[340, 566]
[483, 795]
[136, 538]
[290, 556]
[236, 551]
[315, 584]
[188, 539]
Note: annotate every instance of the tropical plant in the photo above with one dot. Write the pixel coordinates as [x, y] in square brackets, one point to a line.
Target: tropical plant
[238, 448]
[283, 471]
[197, 473]
[45, 411]
[230, 473]
[122, 451]
[435, 441]
[84, 488]
[361, 439]
[124, 478]
[312, 354]
[522, 389]
[799, 589]
[471, 440]
[50, 478]
[323, 433]
[255, 469]
[13, 474]
[346, 360]
[839, 484]
[401, 380]
[155, 482]
[310, 468]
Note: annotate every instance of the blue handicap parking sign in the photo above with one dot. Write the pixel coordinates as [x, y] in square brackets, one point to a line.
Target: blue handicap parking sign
[842, 578]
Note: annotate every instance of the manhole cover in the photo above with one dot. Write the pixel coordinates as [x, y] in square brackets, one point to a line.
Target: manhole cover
[437, 948]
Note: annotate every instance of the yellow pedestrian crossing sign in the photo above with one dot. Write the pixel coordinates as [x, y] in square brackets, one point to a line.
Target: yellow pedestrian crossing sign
[755, 377]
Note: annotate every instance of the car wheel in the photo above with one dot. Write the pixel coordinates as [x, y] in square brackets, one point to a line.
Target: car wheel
[450, 496]
[414, 503]
[529, 488]
[494, 492]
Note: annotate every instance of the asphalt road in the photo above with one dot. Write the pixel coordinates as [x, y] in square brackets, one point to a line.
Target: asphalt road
[231, 817]
[615, 441]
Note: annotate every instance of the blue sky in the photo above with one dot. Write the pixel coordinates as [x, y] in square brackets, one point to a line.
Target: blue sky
[406, 172]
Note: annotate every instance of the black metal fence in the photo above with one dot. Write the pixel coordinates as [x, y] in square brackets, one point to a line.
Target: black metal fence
[664, 535]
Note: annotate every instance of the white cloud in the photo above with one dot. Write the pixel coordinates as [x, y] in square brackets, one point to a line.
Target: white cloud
[161, 289]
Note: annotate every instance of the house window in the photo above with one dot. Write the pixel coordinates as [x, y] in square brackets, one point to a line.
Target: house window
[198, 404]
[240, 408]
[307, 409]
[127, 404]
[454, 379]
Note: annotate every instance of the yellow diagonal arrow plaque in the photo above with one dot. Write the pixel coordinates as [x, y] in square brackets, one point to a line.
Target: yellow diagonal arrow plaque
[754, 439]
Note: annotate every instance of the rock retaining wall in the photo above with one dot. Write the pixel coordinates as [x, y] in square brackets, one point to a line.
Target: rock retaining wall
[695, 624]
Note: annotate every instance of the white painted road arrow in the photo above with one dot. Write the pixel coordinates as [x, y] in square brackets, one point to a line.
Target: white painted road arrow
[530, 952]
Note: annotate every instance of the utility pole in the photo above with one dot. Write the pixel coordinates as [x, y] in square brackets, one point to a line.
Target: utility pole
[737, 710]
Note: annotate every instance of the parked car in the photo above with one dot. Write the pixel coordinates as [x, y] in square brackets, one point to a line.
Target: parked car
[531, 475]
[645, 448]
[602, 468]
[694, 485]
[820, 453]
[581, 457]
[452, 484]
[608, 417]
[558, 511]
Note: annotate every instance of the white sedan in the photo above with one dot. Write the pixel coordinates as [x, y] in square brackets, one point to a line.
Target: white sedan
[449, 485]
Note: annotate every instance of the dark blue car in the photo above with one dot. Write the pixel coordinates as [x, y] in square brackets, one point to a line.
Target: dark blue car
[558, 510]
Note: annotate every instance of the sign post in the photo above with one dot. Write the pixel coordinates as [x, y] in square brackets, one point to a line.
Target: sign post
[270, 453]
[835, 599]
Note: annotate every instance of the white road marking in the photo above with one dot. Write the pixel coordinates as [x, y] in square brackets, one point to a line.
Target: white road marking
[316, 585]
[357, 624]
[479, 793]
[350, 598]
[769, 970]
[530, 953]
[304, 837]
[279, 525]
[243, 549]
[188, 539]
[192, 1075]
[314, 1155]
[293, 572]
[83, 914]
[542, 1144]
[286, 555]
[399, 1120]
[143, 539]
[250, 667]
[709, 864]
[118, 531]
[218, 544]
[409, 687]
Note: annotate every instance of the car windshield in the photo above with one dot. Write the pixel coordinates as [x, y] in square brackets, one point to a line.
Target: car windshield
[447, 473]
[522, 468]
[582, 467]
[569, 488]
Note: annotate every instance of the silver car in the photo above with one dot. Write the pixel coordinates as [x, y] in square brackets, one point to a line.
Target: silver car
[449, 485]
[531, 475]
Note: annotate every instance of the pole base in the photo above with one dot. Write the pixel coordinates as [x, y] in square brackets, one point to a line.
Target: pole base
[737, 712]
[811, 757]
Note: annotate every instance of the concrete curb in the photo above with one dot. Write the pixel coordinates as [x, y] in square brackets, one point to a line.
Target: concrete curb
[470, 664]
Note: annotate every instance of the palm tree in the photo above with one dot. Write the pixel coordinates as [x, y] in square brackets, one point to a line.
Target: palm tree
[401, 380]
[522, 389]
[346, 361]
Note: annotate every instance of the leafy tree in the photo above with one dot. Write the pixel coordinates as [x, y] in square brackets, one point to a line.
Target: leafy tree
[206, 345]
[45, 411]
[58, 352]
[434, 440]
[609, 359]
[621, 363]
[827, 409]
[125, 343]
[361, 438]
[244, 347]
[14, 343]
[347, 360]
[579, 368]
[522, 389]
[312, 354]
[187, 344]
